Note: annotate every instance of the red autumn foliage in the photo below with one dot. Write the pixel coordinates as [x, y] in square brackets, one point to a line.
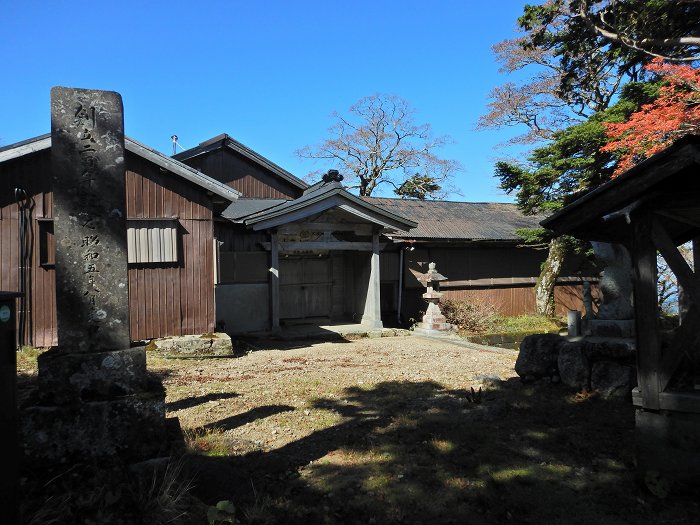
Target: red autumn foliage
[675, 113]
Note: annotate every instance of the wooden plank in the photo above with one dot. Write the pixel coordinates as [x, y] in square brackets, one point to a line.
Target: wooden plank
[274, 281]
[676, 401]
[362, 229]
[323, 245]
[646, 310]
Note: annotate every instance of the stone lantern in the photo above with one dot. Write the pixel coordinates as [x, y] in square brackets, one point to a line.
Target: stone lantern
[433, 320]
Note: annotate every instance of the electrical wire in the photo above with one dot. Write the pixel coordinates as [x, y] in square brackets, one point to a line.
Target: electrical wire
[25, 206]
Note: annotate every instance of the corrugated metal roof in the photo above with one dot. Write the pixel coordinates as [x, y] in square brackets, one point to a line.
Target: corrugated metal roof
[244, 207]
[459, 220]
[176, 167]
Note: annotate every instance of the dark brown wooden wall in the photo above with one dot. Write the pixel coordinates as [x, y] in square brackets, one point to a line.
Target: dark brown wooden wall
[521, 300]
[31, 173]
[164, 300]
[243, 175]
[501, 276]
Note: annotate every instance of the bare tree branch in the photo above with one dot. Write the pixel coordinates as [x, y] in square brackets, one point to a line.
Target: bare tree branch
[378, 143]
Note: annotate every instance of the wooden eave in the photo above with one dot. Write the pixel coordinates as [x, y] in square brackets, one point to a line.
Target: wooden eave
[604, 213]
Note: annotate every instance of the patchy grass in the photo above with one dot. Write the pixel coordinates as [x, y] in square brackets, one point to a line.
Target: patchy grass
[525, 324]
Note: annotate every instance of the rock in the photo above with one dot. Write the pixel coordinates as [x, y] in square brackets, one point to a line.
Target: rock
[612, 379]
[216, 344]
[574, 369]
[609, 350]
[538, 355]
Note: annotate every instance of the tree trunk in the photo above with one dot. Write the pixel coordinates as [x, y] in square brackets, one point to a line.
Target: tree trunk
[544, 289]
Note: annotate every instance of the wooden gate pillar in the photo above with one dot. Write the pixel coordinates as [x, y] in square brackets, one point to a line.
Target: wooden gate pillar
[372, 316]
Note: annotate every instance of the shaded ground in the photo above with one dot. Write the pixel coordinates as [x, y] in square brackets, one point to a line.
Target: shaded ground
[389, 431]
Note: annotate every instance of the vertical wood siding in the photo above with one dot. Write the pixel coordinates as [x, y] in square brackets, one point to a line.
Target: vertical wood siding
[32, 173]
[243, 175]
[164, 299]
[171, 299]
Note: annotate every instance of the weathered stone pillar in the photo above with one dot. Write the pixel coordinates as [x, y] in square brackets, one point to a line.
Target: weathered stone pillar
[372, 316]
[93, 386]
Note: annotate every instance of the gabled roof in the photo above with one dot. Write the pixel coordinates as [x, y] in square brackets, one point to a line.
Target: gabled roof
[459, 221]
[322, 197]
[227, 141]
[43, 142]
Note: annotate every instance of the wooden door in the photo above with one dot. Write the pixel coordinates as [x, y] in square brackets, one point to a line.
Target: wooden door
[305, 287]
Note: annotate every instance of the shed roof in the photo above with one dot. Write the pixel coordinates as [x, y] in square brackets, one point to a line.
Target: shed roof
[224, 140]
[459, 221]
[667, 182]
[176, 167]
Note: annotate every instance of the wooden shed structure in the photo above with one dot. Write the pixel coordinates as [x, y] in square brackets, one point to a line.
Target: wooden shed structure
[170, 210]
[655, 207]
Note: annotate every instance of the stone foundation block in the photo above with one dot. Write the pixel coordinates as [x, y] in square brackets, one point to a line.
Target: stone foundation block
[132, 427]
[612, 379]
[574, 369]
[216, 344]
[66, 377]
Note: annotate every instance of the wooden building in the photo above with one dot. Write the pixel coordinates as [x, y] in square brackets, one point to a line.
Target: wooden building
[474, 244]
[653, 208]
[170, 209]
[222, 238]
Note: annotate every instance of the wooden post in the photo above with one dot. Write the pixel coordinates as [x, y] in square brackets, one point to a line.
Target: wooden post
[9, 481]
[646, 310]
[274, 281]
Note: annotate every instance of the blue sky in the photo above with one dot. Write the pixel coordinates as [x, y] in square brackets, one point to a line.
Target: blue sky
[267, 73]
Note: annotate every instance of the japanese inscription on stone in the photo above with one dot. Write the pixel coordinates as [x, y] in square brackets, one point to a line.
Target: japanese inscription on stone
[87, 149]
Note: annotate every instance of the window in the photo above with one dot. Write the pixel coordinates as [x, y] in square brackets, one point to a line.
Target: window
[47, 243]
[152, 241]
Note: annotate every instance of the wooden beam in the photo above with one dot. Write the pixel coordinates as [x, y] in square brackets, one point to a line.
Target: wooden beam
[679, 266]
[323, 245]
[646, 310]
[676, 401]
[362, 229]
[512, 281]
[274, 282]
[683, 339]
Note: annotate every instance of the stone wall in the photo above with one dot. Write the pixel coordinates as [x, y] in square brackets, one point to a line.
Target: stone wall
[603, 366]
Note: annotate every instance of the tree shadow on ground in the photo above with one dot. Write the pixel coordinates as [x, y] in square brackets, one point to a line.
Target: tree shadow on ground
[419, 453]
[189, 402]
[251, 415]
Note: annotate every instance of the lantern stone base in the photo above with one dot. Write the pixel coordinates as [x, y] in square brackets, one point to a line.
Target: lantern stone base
[433, 322]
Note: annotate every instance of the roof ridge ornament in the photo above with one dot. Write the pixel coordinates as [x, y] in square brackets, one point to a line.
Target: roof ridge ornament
[332, 176]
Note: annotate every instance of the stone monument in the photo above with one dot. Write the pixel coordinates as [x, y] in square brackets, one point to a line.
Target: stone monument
[95, 397]
[433, 321]
[615, 316]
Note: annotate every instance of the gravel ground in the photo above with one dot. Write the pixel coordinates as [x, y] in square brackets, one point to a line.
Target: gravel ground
[263, 399]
